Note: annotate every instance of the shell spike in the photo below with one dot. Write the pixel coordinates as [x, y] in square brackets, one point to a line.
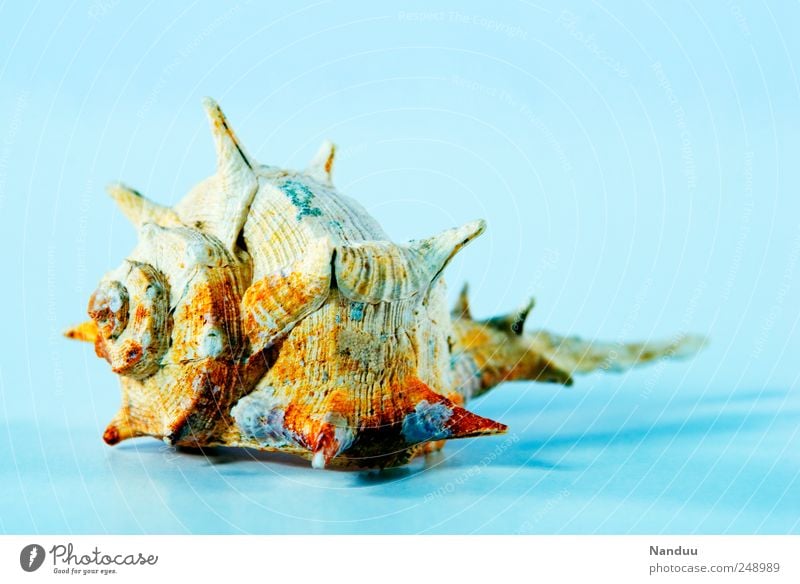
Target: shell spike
[219, 205]
[375, 271]
[138, 209]
[513, 322]
[461, 307]
[437, 251]
[321, 166]
[325, 449]
[318, 461]
[332, 438]
[465, 424]
[119, 429]
[230, 153]
[437, 418]
[85, 331]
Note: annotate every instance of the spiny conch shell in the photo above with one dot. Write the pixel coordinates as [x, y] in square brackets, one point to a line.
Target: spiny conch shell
[267, 310]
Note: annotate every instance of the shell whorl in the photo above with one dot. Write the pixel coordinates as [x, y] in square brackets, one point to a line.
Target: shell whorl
[132, 319]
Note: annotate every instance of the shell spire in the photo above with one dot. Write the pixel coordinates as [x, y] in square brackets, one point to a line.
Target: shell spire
[321, 166]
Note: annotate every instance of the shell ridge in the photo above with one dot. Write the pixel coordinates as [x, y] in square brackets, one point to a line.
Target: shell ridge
[274, 304]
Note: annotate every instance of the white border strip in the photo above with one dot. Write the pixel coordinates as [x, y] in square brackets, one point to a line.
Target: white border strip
[387, 559]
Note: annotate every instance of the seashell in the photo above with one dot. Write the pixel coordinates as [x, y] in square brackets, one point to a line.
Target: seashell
[267, 310]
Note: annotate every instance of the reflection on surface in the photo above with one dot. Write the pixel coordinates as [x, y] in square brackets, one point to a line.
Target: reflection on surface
[573, 462]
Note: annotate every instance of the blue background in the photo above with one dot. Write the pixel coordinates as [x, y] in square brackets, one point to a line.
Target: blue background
[638, 168]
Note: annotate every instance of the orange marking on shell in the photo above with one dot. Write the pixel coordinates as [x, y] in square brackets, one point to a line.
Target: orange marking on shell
[279, 292]
[132, 353]
[100, 348]
[140, 315]
[475, 336]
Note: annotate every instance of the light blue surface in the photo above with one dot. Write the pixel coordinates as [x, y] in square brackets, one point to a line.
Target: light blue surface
[638, 169]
